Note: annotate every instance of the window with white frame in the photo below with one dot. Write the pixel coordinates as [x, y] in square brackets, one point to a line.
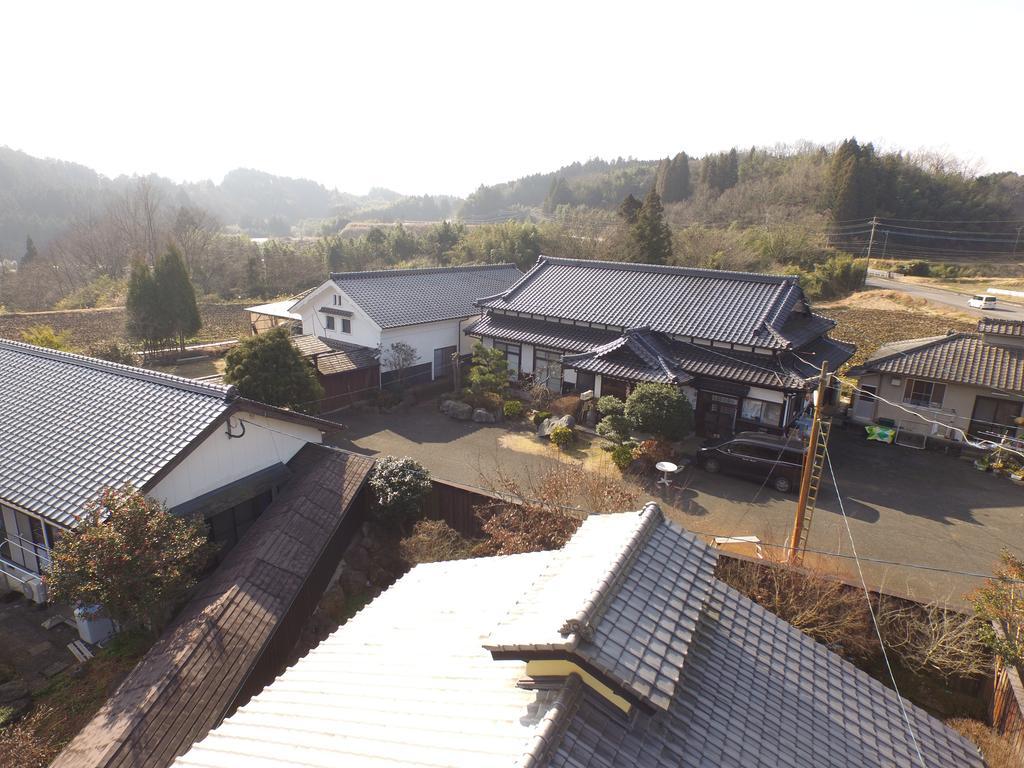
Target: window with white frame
[926, 394]
[761, 411]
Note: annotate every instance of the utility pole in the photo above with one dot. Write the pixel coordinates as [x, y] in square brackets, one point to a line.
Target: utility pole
[810, 478]
[871, 240]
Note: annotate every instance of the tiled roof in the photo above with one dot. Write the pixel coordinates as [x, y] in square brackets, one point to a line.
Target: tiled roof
[637, 355]
[71, 425]
[409, 296]
[756, 692]
[958, 358]
[541, 333]
[1001, 327]
[632, 602]
[734, 307]
[205, 663]
[333, 356]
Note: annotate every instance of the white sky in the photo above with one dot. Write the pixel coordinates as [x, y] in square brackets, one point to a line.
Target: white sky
[440, 97]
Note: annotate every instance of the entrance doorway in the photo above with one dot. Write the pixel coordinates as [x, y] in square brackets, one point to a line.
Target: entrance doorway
[716, 414]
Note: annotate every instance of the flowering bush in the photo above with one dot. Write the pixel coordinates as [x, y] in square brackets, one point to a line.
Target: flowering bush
[562, 436]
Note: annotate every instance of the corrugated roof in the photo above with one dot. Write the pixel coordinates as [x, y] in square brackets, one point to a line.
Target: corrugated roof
[632, 600]
[71, 425]
[958, 358]
[192, 676]
[1001, 327]
[400, 297]
[277, 309]
[734, 307]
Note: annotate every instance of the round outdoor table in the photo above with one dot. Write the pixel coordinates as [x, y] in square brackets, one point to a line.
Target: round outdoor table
[666, 468]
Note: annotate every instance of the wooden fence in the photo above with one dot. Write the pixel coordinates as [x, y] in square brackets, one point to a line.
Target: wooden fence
[457, 505]
[1006, 708]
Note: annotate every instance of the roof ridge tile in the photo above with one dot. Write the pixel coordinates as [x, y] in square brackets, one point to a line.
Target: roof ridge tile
[419, 271]
[551, 728]
[580, 626]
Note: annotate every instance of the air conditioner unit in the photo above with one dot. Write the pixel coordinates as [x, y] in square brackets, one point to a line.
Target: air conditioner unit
[34, 589]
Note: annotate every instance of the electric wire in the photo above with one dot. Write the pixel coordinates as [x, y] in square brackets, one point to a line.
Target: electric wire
[871, 610]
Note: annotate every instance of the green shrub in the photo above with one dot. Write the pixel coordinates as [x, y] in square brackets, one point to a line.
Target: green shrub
[660, 409]
[609, 405]
[622, 456]
[114, 352]
[540, 416]
[918, 269]
[614, 427]
[562, 436]
[513, 409]
[399, 485]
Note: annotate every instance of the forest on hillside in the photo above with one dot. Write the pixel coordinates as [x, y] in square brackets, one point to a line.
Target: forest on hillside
[804, 209]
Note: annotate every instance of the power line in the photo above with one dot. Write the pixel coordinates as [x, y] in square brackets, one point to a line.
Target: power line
[871, 610]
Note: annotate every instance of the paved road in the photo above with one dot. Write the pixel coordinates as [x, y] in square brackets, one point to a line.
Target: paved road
[1006, 310]
[904, 505]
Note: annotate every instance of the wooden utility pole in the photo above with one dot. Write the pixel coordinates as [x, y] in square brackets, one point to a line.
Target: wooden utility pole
[811, 472]
[871, 240]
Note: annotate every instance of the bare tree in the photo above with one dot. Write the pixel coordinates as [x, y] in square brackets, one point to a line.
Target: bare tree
[932, 638]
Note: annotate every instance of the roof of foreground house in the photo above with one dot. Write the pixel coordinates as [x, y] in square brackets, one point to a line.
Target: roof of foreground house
[621, 649]
[1001, 327]
[72, 425]
[237, 630]
[957, 358]
[758, 310]
[397, 297]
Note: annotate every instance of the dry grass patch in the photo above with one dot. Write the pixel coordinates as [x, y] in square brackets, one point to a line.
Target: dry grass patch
[994, 747]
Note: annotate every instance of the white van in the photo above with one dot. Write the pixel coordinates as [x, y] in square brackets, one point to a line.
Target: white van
[982, 301]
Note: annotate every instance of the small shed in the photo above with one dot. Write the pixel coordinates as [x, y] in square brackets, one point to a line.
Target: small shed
[347, 372]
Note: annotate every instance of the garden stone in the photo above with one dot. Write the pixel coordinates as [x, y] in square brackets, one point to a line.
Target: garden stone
[483, 417]
[548, 425]
[461, 411]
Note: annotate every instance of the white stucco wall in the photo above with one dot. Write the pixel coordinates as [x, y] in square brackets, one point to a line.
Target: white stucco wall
[424, 338]
[365, 331]
[220, 460]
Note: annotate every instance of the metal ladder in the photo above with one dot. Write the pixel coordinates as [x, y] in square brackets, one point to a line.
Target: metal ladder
[817, 472]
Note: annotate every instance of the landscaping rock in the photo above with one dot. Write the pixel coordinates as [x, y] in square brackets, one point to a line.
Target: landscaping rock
[548, 425]
[12, 691]
[483, 417]
[457, 410]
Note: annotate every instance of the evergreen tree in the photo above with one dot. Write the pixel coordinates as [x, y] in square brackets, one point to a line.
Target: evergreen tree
[559, 194]
[268, 368]
[178, 311]
[853, 182]
[31, 254]
[145, 320]
[650, 238]
[673, 180]
[629, 209]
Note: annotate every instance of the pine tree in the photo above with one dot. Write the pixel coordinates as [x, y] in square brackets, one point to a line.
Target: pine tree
[853, 182]
[650, 239]
[674, 179]
[178, 311]
[731, 170]
[31, 254]
[559, 194]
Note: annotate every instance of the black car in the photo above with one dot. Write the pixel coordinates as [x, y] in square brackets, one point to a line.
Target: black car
[756, 456]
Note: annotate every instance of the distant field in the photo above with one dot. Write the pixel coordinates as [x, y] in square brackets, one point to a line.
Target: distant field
[872, 318]
[94, 326]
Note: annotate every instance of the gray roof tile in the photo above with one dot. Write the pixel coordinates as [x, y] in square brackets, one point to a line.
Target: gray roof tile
[333, 356]
[632, 598]
[399, 297]
[735, 307]
[960, 358]
[1001, 327]
[72, 425]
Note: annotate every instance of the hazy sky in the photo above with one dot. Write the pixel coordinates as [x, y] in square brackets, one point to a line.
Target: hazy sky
[440, 97]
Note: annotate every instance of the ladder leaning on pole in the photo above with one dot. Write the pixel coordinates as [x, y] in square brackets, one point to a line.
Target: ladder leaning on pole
[817, 472]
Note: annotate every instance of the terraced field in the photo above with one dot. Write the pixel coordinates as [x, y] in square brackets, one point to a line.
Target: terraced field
[86, 327]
